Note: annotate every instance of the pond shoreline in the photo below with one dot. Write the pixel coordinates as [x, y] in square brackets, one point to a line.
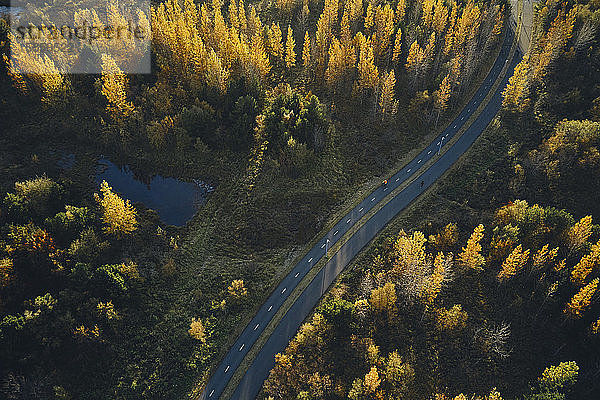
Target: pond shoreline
[175, 200]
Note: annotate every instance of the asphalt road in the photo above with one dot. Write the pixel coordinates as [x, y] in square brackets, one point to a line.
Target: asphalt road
[254, 377]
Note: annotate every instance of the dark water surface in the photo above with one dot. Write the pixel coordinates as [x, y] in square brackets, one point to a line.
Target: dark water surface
[174, 200]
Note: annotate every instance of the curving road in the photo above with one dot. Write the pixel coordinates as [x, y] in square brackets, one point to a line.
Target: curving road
[252, 381]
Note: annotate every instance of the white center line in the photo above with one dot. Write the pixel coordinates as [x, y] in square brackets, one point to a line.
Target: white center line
[297, 273]
[283, 291]
[211, 393]
[348, 221]
[335, 233]
[256, 327]
[242, 346]
[373, 199]
[269, 308]
[227, 369]
[310, 259]
[360, 209]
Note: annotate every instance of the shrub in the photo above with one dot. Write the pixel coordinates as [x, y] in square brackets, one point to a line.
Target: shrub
[87, 247]
[69, 223]
[199, 121]
[288, 114]
[7, 274]
[197, 330]
[237, 290]
[16, 207]
[109, 279]
[243, 118]
[41, 194]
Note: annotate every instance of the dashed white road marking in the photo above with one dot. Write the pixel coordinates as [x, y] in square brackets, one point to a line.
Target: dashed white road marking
[397, 179]
[384, 189]
[419, 162]
[462, 118]
[438, 143]
[335, 233]
[283, 291]
[227, 369]
[373, 199]
[297, 273]
[360, 209]
[323, 245]
[256, 327]
[429, 152]
[211, 393]
[310, 259]
[242, 346]
[455, 126]
[270, 307]
[408, 170]
[469, 110]
[348, 221]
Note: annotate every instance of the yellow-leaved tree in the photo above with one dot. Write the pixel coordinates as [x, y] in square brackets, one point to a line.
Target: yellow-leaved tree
[513, 264]
[197, 330]
[275, 41]
[372, 380]
[579, 233]
[397, 52]
[237, 290]
[453, 319]
[290, 52]
[368, 75]
[387, 100]
[582, 299]
[118, 215]
[433, 286]
[384, 298]
[544, 256]
[114, 88]
[515, 95]
[585, 266]
[471, 257]
[445, 238]
[306, 59]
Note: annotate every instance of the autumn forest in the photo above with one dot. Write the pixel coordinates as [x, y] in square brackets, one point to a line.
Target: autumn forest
[287, 114]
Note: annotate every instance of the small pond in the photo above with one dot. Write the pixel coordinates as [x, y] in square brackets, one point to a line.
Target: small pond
[174, 200]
